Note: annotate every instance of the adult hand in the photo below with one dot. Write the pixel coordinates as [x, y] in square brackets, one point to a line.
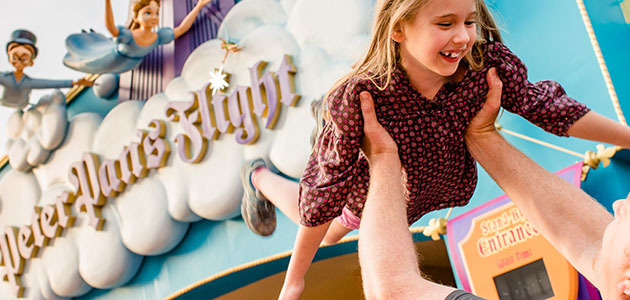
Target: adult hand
[376, 140]
[483, 122]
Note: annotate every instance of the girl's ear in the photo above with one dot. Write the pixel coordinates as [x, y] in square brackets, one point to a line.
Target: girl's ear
[398, 35]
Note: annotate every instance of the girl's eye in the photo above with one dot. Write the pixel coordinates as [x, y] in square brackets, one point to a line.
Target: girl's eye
[469, 23]
[444, 24]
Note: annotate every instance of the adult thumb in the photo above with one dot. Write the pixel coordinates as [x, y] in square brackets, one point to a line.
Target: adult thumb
[495, 85]
[367, 109]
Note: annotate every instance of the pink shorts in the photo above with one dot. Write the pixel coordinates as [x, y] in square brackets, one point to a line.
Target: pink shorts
[348, 219]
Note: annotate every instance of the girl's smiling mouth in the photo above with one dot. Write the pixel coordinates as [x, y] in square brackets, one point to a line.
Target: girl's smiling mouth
[451, 56]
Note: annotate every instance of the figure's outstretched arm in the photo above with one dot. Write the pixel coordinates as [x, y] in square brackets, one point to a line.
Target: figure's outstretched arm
[109, 19]
[188, 21]
[36, 83]
[595, 127]
[83, 82]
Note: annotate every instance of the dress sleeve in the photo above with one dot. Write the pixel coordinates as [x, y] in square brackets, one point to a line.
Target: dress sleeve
[35, 83]
[543, 103]
[332, 170]
[4, 78]
[124, 35]
[166, 35]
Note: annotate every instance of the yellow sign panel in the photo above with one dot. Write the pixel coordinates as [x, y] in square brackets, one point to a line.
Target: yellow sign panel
[625, 9]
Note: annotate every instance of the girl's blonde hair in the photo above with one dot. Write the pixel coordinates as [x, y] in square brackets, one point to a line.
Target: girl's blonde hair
[383, 53]
[140, 4]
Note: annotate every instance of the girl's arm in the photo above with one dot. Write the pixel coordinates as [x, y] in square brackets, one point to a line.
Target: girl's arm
[189, 19]
[109, 19]
[595, 127]
[306, 244]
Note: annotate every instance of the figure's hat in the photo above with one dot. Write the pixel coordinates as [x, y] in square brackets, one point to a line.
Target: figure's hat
[23, 37]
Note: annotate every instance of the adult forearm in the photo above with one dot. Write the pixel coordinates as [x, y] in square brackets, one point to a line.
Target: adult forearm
[386, 252]
[572, 221]
[595, 127]
[386, 247]
[389, 264]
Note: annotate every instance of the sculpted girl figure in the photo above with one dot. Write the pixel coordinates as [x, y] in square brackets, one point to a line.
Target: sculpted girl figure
[92, 52]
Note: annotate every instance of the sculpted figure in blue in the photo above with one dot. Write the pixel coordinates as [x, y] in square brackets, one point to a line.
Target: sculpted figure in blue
[92, 52]
[17, 86]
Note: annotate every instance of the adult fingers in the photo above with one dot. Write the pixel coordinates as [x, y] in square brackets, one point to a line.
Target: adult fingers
[493, 99]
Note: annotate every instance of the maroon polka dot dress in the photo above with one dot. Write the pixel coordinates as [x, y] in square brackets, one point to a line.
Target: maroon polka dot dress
[429, 133]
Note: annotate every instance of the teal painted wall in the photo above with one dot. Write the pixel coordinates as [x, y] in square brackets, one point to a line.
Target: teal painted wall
[88, 102]
[613, 35]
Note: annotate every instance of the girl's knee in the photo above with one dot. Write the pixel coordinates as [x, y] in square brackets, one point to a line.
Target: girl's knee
[335, 232]
[331, 239]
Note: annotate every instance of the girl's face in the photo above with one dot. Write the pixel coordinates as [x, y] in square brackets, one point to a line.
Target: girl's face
[149, 16]
[438, 38]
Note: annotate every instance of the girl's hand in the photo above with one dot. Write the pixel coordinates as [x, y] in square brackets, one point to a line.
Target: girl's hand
[376, 140]
[203, 2]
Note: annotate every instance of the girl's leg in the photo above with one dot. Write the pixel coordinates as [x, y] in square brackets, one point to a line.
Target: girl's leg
[282, 192]
[306, 244]
[335, 232]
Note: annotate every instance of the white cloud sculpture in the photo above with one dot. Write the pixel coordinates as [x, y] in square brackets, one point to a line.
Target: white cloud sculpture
[33, 134]
[150, 215]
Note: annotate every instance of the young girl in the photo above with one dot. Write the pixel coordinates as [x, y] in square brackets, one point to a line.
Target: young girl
[426, 70]
[94, 53]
